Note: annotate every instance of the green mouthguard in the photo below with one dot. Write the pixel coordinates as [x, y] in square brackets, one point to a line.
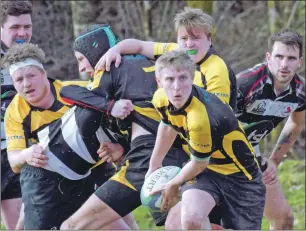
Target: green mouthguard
[191, 52]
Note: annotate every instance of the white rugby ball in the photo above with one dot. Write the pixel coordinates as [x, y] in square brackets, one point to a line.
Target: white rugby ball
[155, 180]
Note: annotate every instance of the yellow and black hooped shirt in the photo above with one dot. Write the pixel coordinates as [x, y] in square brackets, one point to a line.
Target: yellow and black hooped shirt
[211, 132]
[212, 74]
[26, 125]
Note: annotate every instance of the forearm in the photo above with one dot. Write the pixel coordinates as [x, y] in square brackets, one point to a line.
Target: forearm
[135, 46]
[285, 141]
[16, 160]
[164, 140]
[189, 171]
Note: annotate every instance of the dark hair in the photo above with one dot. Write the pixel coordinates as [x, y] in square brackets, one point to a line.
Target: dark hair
[14, 8]
[94, 42]
[288, 37]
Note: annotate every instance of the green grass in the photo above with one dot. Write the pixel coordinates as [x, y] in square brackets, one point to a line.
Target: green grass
[292, 178]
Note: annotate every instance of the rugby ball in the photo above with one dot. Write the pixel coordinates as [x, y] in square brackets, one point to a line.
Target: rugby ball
[155, 180]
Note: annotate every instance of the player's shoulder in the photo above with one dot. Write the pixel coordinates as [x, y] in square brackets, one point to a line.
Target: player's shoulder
[160, 98]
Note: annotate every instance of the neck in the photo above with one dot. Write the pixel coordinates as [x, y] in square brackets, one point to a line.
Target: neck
[279, 88]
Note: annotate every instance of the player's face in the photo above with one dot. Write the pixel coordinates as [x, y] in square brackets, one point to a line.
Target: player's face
[177, 85]
[194, 41]
[283, 62]
[84, 65]
[16, 29]
[31, 83]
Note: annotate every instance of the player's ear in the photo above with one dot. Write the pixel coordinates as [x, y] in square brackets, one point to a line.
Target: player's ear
[158, 81]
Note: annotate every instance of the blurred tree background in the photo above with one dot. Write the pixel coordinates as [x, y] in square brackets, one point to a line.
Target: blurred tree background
[242, 31]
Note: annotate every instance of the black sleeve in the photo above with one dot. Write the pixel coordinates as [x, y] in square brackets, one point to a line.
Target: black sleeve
[244, 85]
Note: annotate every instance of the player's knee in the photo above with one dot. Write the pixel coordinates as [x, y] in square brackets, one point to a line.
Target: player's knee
[192, 222]
[288, 219]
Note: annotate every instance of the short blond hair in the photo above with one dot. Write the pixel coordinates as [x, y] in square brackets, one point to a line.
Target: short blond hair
[21, 52]
[178, 60]
[191, 18]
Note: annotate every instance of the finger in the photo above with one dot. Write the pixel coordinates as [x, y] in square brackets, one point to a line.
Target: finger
[104, 154]
[164, 205]
[109, 159]
[40, 156]
[107, 64]
[104, 159]
[118, 60]
[157, 190]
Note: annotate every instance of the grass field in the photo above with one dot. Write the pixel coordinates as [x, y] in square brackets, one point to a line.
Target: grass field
[292, 177]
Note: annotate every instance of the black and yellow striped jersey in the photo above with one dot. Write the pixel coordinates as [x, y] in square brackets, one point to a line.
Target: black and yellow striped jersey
[134, 79]
[23, 121]
[212, 74]
[211, 130]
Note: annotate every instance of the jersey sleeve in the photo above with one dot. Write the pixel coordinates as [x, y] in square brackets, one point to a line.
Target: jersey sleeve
[160, 103]
[201, 143]
[218, 81]
[15, 135]
[244, 85]
[162, 48]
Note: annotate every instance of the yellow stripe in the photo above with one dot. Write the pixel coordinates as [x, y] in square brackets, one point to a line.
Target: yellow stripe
[224, 169]
[198, 79]
[98, 163]
[120, 176]
[218, 155]
[149, 69]
[97, 78]
[148, 112]
[227, 144]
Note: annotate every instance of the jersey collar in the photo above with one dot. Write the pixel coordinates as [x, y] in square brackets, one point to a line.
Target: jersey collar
[210, 52]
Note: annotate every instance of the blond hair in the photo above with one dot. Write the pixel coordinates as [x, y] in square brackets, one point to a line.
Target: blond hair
[178, 60]
[191, 18]
[21, 52]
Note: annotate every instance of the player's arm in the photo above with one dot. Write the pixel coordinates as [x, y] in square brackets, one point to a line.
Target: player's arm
[164, 140]
[17, 152]
[127, 46]
[291, 130]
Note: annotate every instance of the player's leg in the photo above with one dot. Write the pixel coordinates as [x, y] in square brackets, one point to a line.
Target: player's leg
[243, 202]
[49, 198]
[20, 223]
[277, 210]
[10, 194]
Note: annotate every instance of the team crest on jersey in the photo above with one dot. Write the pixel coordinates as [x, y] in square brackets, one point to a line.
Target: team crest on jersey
[272, 108]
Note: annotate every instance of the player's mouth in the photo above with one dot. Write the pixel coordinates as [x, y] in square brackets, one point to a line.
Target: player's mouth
[284, 72]
[29, 92]
[192, 52]
[20, 41]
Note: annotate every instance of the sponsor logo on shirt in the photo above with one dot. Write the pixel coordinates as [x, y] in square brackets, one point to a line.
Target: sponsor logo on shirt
[14, 138]
[271, 108]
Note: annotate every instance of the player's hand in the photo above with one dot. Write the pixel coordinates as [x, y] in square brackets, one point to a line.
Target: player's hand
[113, 54]
[35, 156]
[269, 176]
[170, 194]
[151, 170]
[110, 152]
[122, 108]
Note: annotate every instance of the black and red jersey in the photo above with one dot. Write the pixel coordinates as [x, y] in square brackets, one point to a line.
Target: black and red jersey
[258, 107]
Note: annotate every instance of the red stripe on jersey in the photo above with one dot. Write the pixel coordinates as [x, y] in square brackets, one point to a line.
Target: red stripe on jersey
[253, 72]
[255, 84]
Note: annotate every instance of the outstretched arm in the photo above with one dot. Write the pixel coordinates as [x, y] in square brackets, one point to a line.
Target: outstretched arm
[291, 130]
[127, 46]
